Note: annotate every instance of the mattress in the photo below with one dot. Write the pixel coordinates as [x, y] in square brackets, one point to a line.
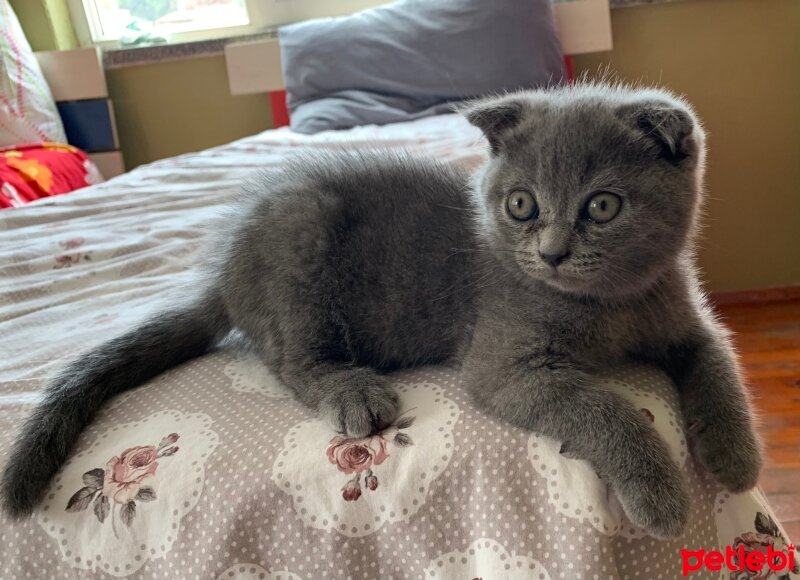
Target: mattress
[213, 470]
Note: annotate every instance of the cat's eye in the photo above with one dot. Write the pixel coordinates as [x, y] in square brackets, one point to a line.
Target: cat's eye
[521, 205]
[603, 207]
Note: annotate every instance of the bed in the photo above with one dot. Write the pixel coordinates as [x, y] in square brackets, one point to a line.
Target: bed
[230, 477]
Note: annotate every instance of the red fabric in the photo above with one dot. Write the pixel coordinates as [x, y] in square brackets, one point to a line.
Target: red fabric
[569, 66]
[280, 113]
[31, 172]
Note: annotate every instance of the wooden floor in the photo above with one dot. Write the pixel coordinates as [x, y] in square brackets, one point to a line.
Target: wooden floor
[768, 339]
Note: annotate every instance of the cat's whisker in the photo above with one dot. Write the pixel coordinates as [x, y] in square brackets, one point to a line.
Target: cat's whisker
[467, 209]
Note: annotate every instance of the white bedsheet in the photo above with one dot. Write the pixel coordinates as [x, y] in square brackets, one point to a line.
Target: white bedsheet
[234, 479]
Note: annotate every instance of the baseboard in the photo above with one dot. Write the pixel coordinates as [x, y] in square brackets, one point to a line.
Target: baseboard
[756, 295]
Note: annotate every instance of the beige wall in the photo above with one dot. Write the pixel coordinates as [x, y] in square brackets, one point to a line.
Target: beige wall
[168, 108]
[738, 61]
[47, 23]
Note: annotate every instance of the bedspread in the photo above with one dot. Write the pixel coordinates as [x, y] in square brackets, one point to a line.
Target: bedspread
[213, 470]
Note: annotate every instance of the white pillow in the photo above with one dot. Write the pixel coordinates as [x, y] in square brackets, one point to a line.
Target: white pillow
[28, 113]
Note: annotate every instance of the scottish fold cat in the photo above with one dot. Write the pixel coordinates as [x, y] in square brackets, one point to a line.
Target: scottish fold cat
[569, 251]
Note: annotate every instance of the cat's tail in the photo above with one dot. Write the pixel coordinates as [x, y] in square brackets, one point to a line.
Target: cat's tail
[71, 399]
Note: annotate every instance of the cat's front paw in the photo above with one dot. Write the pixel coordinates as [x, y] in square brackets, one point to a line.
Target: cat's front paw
[655, 499]
[368, 405]
[729, 450]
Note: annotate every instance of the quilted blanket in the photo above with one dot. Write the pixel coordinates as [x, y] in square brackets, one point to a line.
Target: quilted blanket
[213, 470]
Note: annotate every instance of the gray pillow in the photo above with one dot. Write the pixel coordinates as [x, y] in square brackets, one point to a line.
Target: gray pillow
[413, 58]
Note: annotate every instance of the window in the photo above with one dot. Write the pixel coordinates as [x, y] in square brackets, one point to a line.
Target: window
[99, 21]
[109, 21]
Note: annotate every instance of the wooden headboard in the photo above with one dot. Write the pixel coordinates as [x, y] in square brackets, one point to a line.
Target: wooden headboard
[255, 67]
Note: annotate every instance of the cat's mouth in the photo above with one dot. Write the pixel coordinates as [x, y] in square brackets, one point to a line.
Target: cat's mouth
[560, 275]
[563, 279]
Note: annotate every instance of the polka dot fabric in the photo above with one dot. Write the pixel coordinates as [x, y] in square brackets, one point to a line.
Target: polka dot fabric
[254, 492]
[213, 470]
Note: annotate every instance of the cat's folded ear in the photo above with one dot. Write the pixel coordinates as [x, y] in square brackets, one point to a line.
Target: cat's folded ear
[667, 127]
[495, 117]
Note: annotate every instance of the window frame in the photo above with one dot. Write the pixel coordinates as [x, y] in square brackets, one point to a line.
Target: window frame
[85, 18]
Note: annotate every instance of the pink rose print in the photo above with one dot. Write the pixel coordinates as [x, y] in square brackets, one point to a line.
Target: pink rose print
[352, 491]
[72, 243]
[122, 482]
[357, 456]
[68, 260]
[125, 474]
[103, 319]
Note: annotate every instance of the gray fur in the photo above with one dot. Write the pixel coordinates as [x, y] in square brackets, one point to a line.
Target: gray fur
[342, 267]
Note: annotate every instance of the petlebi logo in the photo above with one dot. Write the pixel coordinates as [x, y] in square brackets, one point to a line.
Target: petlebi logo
[753, 564]
[757, 555]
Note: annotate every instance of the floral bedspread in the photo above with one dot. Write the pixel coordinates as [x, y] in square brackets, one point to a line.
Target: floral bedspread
[213, 470]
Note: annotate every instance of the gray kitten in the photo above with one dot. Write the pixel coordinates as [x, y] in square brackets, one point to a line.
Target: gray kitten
[570, 251]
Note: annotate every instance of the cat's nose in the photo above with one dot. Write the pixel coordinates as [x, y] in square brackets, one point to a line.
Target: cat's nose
[554, 259]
